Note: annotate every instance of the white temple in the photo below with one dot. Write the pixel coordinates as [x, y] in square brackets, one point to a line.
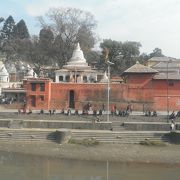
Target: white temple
[77, 69]
[4, 75]
[30, 73]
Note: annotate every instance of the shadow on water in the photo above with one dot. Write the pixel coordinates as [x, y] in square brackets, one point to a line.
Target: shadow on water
[19, 166]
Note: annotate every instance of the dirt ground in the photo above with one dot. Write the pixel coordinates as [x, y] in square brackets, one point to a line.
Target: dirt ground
[169, 154]
[58, 116]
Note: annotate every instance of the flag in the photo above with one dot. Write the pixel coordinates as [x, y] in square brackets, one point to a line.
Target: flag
[106, 53]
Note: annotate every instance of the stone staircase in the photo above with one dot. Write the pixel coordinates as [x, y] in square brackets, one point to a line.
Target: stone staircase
[14, 130]
[27, 135]
[48, 135]
[117, 126]
[123, 137]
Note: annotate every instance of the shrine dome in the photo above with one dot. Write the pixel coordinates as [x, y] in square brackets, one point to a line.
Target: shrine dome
[77, 60]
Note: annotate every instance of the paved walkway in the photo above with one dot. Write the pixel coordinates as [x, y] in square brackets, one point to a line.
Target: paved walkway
[2, 109]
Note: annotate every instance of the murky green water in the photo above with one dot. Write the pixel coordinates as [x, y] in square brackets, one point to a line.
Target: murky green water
[22, 167]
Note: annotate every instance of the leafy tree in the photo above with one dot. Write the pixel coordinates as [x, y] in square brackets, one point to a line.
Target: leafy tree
[157, 52]
[45, 45]
[93, 57]
[122, 54]
[1, 19]
[21, 30]
[7, 31]
[130, 52]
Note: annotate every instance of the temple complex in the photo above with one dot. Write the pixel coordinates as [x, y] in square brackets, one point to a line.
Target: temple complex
[152, 87]
[76, 70]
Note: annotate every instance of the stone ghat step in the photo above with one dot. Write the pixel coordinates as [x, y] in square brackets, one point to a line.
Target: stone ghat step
[123, 137]
[21, 134]
[118, 138]
[102, 136]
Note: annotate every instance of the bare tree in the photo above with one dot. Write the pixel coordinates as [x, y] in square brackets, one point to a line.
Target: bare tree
[70, 26]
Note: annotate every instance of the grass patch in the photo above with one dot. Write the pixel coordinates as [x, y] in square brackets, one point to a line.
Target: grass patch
[152, 143]
[84, 142]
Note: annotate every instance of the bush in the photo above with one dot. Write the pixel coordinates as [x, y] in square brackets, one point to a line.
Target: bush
[85, 142]
[152, 143]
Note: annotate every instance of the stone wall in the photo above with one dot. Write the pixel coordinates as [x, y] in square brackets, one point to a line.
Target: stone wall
[148, 126]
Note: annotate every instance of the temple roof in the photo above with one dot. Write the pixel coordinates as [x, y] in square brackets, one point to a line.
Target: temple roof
[169, 76]
[139, 68]
[162, 59]
[77, 56]
[77, 60]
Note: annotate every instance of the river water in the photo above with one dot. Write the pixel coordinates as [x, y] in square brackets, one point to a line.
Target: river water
[22, 167]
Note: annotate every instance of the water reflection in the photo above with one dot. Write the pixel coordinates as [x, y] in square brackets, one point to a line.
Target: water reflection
[22, 167]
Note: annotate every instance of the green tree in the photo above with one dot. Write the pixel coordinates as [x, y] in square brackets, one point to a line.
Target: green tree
[122, 54]
[21, 30]
[1, 19]
[7, 31]
[130, 52]
[157, 52]
[45, 45]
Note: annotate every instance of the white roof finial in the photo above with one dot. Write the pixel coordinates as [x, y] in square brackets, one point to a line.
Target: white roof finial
[78, 46]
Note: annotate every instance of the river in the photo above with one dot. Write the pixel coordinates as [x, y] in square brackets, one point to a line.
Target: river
[24, 167]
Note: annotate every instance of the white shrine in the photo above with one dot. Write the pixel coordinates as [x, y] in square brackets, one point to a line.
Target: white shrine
[77, 69]
[4, 75]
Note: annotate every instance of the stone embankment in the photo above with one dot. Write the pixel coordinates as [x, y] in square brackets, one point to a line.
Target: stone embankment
[121, 130]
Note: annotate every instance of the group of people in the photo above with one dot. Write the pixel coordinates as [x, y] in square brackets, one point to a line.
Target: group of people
[123, 113]
[151, 114]
[173, 115]
[24, 110]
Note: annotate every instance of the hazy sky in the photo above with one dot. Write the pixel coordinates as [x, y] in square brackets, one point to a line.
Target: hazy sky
[153, 23]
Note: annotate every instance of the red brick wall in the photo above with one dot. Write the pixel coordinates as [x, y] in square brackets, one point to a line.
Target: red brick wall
[160, 91]
[95, 93]
[143, 94]
[40, 104]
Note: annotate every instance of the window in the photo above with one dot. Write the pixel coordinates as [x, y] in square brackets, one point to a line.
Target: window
[33, 87]
[171, 83]
[33, 101]
[42, 87]
[84, 78]
[67, 78]
[42, 98]
[60, 78]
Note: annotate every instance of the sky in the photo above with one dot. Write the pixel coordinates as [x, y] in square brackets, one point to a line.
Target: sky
[153, 23]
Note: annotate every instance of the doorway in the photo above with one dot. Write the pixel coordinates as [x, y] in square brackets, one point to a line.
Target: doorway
[71, 99]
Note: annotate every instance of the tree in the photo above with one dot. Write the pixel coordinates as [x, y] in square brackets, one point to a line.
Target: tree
[15, 40]
[70, 25]
[21, 30]
[1, 19]
[122, 54]
[130, 52]
[157, 52]
[7, 31]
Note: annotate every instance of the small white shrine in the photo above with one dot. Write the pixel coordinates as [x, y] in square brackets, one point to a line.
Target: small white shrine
[4, 75]
[77, 69]
[30, 73]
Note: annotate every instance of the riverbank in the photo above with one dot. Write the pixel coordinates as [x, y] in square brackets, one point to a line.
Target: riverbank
[130, 153]
[169, 154]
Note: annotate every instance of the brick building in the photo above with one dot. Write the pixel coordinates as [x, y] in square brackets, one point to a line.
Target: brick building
[143, 87]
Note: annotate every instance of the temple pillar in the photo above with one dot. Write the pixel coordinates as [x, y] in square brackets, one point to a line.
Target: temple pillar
[57, 78]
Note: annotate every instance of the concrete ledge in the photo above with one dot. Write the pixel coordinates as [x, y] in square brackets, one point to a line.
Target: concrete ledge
[55, 124]
[148, 126]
